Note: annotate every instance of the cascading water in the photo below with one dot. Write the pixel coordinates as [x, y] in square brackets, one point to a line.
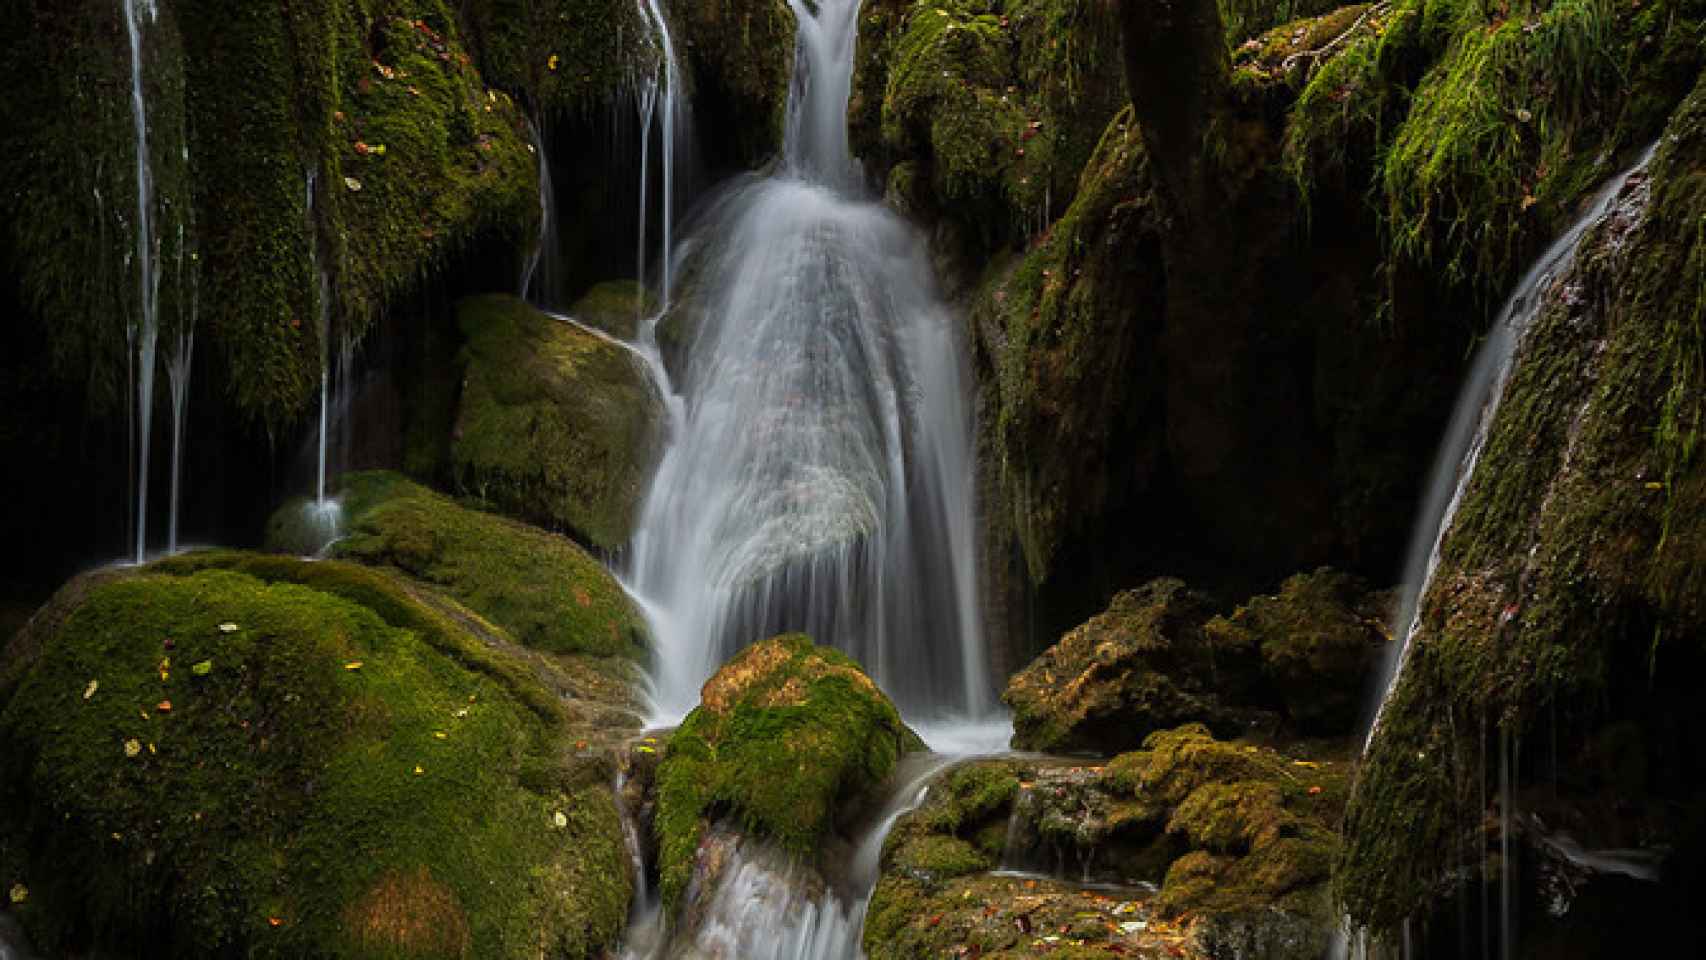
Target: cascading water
[1459, 454]
[145, 327]
[1472, 421]
[660, 100]
[821, 479]
[541, 281]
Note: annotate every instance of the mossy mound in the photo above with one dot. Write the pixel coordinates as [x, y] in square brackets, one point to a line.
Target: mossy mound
[1570, 597]
[985, 110]
[565, 57]
[788, 737]
[1238, 837]
[616, 307]
[556, 425]
[1321, 637]
[739, 55]
[548, 593]
[228, 754]
[1144, 664]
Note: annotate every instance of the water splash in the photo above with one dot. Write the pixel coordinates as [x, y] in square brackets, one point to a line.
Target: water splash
[821, 478]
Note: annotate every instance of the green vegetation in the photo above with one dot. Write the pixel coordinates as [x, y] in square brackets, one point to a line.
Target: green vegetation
[556, 425]
[544, 590]
[615, 306]
[739, 59]
[788, 736]
[229, 754]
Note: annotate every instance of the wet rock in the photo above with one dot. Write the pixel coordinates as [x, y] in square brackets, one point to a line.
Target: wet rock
[615, 306]
[788, 739]
[1144, 664]
[333, 783]
[555, 424]
[1321, 639]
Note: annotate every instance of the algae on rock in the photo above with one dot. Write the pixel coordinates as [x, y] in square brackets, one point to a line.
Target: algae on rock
[555, 424]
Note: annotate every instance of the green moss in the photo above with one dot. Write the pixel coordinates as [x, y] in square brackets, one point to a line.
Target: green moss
[1247, 18]
[1568, 597]
[555, 424]
[566, 58]
[787, 736]
[940, 858]
[218, 789]
[615, 306]
[739, 55]
[547, 592]
[996, 103]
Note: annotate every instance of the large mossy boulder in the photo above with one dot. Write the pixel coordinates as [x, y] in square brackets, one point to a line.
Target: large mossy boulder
[788, 739]
[229, 754]
[556, 425]
[546, 591]
[1237, 837]
[1144, 664]
[1569, 602]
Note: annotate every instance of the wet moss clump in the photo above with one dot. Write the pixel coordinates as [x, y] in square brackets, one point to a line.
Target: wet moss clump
[788, 737]
[548, 593]
[228, 754]
[555, 424]
[1569, 599]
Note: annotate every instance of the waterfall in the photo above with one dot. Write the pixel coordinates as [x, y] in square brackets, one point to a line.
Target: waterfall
[323, 329]
[1471, 423]
[660, 99]
[821, 476]
[144, 330]
[1459, 453]
[541, 274]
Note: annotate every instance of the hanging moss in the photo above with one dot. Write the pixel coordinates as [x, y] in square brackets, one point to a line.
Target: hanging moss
[229, 754]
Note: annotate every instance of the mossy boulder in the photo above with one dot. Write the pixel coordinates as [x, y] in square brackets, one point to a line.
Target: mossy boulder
[1569, 600]
[567, 58]
[1322, 638]
[547, 592]
[1237, 836]
[232, 754]
[991, 107]
[1144, 664]
[555, 425]
[615, 306]
[788, 738]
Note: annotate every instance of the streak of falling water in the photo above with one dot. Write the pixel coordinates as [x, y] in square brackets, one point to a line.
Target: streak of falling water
[540, 275]
[178, 373]
[660, 100]
[145, 329]
[323, 328]
[821, 479]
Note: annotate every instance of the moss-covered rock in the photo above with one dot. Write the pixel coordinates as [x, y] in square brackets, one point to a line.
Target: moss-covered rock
[1322, 637]
[1569, 600]
[787, 738]
[555, 424]
[567, 58]
[548, 593]
[1238, 836]
[231, 754]
[739, 57]
[615, 306]
[1144, 664]
[992, 107]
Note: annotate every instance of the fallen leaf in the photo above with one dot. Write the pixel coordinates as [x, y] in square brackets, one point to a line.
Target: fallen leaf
[561, 819]
[19, 893]
[440, 735]
[1314, 791]
[353, 184]
[132, 747]
[418, 770]
[275, 922]
[164, 706]
[1655, 485]
[165, 669]
[551, 64]
[353, 665]
[89, 690]
[203, 668]
[228, 628]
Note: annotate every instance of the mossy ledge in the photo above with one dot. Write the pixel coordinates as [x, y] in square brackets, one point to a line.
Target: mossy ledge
[789, 736]
[230, 754]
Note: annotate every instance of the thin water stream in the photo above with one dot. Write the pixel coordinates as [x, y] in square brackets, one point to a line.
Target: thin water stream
[145, 328]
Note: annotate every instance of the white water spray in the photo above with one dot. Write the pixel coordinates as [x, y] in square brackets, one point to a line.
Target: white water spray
[821, 479]
[145, 329]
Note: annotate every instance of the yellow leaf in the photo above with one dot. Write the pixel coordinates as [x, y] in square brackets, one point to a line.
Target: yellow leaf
[132, 747]
[440, 734]
[20, 893]
[418, 770]
[551, 64]
[353, 665]
[89, 691]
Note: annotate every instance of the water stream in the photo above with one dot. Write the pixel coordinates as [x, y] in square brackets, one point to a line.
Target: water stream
[820, 479]
[145, 326]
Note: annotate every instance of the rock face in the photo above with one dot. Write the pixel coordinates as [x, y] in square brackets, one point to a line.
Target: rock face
[233, 754]
[1144, 664]
[548, 593]
[1237, 837]
[739, 56]
[555, 424]
[1570, 598]
[788, 738]
[1159, 657]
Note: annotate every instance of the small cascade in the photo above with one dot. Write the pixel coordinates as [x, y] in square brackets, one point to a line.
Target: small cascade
[660, 100]
[144, 330]
[1472, 422]
[541, 274]
[821, 476]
